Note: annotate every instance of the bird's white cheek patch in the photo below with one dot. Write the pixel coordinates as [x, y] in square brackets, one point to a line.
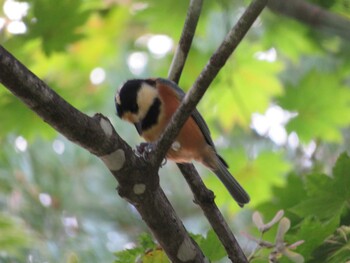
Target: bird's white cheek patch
[186, 251]
[115, 160]
[145, 99]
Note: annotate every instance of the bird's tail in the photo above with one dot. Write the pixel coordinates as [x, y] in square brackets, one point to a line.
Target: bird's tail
[235, 189]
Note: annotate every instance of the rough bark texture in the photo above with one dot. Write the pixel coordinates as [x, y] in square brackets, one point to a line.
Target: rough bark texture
[186, 38]
[212, 68]
[203, 197]
[138, 181]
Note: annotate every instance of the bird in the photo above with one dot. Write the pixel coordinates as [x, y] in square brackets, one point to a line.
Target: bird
[150, 103]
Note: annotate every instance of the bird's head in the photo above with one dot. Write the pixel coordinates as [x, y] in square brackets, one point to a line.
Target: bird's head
[134, 99]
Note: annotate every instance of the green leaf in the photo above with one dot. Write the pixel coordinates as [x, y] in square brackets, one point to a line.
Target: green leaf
[128, 255]
[146, 243]
[212, 247]
[14, 236]
[160, 11]
[244, 86]
[327, 196]
[265, 171]
[294, 187]
[322, 105]
[341, 174]
[336, 248]
[57, 23]
[293, 40]
[314, 232]
[324, 207]
[30, 124]
[155, 256]
[284, 197]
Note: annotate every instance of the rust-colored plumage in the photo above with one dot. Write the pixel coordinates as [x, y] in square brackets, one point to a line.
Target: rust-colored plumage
[150, 104]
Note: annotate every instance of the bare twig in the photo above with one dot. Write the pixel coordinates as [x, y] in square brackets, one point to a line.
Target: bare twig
[216, 62]
[205, 199]
[203, 196]
[312, 15]
[138, 182]
[99, 137]
[178, 63]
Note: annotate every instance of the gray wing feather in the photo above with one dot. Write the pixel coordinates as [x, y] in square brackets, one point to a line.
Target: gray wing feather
[235, 189]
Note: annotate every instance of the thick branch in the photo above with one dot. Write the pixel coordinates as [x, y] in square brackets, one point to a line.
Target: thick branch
[66, 119]
[138, 182]
[312, 15]
[146, 195]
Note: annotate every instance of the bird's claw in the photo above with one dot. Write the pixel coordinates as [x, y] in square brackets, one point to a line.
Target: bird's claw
[144, 149]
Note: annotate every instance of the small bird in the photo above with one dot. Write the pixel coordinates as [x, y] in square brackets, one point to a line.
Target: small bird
[150, 103]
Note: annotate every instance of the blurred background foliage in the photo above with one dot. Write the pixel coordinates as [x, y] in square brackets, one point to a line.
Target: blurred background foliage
[279, 113]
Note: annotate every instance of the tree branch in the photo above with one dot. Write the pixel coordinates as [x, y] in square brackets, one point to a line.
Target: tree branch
[205, 199]
[312, 15]
[216, 62]
[99, 137]
[178, 63]
[203, 196]
[138, 181]
[75, 125]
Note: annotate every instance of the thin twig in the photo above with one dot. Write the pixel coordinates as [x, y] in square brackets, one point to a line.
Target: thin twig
[138, 181]
[203, 196]
[216, 62]
[205, 199]
[182, 50]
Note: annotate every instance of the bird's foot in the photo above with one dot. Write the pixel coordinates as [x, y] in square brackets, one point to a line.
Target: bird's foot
[144, 150]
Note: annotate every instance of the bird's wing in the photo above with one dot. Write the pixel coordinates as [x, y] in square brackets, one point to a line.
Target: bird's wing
[195, 114]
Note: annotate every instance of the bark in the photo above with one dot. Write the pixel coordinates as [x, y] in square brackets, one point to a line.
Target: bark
[205, 199]
[138, 180]
[210, 71]
[185, 42]
[202, 195]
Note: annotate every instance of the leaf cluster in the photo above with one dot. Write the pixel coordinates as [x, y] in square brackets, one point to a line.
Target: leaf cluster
[318, 206]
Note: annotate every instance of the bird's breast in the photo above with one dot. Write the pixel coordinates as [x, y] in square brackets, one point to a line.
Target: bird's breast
[190, 143]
